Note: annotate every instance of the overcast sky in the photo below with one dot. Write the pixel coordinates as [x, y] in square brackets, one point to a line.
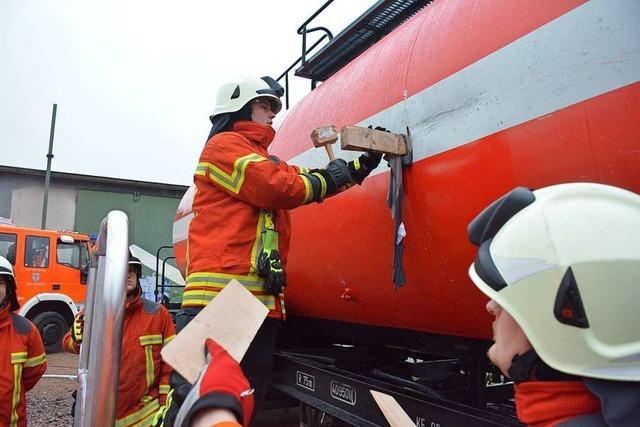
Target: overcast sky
[135, 80]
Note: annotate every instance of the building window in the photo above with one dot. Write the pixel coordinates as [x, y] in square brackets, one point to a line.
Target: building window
[36, 252]
[8, 247]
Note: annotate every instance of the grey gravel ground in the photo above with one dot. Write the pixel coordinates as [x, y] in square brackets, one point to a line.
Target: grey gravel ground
[49, 402]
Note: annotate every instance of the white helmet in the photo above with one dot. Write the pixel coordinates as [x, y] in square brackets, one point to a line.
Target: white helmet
[6, 269]
[233, 96]
[564, 262]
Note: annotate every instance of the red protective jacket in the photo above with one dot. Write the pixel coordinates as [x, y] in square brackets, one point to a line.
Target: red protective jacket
[144, 377]
[22, 363]
[236, 183]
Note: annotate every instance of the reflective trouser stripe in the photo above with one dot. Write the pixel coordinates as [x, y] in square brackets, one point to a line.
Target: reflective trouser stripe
[164, 389]
[17, 359]
[139, 418]
[201, 288]
[147, 341]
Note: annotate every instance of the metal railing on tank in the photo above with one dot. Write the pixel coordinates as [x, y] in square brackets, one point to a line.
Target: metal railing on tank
[303, 31]
[99, 366]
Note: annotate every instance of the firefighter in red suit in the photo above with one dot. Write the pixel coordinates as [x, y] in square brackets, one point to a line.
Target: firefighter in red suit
[22, 358]
[144, 376]
[241, 227]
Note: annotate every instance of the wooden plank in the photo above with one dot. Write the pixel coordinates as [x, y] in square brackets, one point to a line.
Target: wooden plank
[356, 138]
[323, 135]
[232, 319]
[392, 410]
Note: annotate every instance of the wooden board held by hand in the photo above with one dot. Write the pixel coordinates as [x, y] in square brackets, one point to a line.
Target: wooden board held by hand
[356, 138]
[392, 410]
[232, 319]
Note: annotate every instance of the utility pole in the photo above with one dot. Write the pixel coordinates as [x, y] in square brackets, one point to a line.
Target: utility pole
[48, 173]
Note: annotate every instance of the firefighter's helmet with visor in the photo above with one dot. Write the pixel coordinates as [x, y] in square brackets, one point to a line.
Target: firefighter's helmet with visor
[564, 262]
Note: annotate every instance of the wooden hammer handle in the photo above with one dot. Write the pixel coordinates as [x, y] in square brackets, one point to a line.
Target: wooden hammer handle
[329, 149]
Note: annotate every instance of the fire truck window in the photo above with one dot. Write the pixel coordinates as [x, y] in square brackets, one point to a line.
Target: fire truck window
[36, 252]
[8, 247]
[68, 254]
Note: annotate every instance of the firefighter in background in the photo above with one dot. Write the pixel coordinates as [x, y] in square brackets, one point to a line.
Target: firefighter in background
[144, 377]
[562, 268]
[241, 226]
[22, 358]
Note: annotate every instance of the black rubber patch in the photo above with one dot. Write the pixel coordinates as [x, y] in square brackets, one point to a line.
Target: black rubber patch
[236, 92]
[568, 308]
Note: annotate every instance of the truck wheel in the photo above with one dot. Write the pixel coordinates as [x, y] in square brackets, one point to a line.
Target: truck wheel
[52, 327]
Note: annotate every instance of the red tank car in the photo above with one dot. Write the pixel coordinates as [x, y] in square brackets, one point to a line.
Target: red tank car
[494, 95]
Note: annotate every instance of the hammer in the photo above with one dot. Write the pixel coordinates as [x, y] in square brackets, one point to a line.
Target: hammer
[325, 136]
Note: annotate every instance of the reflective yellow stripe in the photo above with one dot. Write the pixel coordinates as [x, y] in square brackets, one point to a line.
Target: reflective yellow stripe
[356, 163]
[303, 169]
[151, 339]
[168, 339]
[308, 191]
[219, 277]
[35, 361]
[17, 359]
[215, 282]
[323, 184]
[231, 182]
[139, 416]
[257, 244]
[15, 400]
[148, 352]
[147, 341]
[164, 389]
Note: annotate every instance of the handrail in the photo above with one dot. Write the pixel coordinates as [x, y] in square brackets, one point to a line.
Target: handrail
[164, 264]
[285, 74]
[99, 365]
[303, 31]
[155, 291]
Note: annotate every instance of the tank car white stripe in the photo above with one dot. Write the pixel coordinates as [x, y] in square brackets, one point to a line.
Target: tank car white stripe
[589, 51]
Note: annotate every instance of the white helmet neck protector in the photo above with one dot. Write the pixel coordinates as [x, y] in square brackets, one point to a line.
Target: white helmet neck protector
[564, 262]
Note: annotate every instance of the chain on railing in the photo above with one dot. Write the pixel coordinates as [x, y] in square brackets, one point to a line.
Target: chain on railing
[99, 365]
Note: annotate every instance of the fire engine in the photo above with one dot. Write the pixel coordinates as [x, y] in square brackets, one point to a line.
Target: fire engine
[51, 269]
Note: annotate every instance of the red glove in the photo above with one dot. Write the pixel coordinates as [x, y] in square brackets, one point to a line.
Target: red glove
[220, 385]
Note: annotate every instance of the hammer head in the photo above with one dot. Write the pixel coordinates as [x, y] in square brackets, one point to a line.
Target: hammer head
[324, 135]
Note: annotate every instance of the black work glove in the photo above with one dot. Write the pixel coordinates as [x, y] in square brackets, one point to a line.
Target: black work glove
[181, 388]
[362, 167]
[270, 267]
[339, 175]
